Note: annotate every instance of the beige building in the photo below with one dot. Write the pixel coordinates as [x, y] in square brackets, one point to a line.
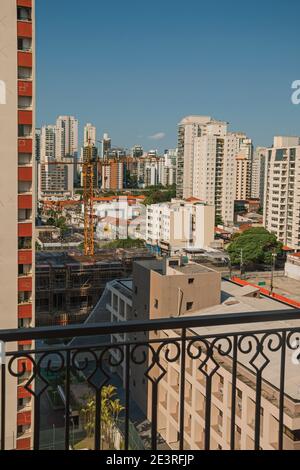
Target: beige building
[282, 190]
[112, 172]
[171, 289]
[17, 117]
[206, 164]
[160, 289]
[244, 170]
[258, 174]
[55, 180]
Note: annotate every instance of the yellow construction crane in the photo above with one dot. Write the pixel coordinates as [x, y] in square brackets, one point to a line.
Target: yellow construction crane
[88, 194]
[88, 167]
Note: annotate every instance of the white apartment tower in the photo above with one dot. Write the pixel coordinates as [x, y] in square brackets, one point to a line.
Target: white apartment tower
[90, 135]
[48, 142]
[57, 166]
[67, 137]
[180, 225]
[169, 168]
[258, 174]
[282, 190]
[206, 165]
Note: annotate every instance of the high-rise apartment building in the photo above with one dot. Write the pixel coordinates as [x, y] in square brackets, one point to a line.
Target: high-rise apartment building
[57, 169]
[90, 135]
[105, 145]
[67, 137]
[258, 174]
[189, 128]
[243, 169]
[17, 129]
[282, 190]
[137, 151]
[206, 165]
[55, 179]
[48, 142]
[112, 173]
[149, 170]
[85, 155]
[169, 168]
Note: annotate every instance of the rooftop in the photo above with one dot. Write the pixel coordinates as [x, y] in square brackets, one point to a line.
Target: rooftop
[159, 266]
[236, 300]
[77, 257]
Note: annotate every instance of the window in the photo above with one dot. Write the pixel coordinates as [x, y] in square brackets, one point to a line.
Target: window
[155, 303]
[189, 305]
[191, 281]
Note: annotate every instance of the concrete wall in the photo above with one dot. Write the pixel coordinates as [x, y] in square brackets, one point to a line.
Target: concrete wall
[173, 293]
[292, 270]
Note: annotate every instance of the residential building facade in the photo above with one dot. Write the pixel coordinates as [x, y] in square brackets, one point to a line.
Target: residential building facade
[207, 166]
[177, 225]
[17, 209]
[161, 289]
[90, 135]
[112, 172]
[282, 191]
[258, 174]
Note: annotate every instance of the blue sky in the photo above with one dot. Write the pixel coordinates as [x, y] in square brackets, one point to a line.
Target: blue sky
[135, 68]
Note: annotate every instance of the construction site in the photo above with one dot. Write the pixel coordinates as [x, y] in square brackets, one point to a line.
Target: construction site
[69, 284]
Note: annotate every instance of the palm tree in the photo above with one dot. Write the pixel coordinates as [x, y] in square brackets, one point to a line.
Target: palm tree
[111, 408]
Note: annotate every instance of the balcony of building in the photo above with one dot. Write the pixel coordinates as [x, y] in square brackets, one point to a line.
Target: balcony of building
[25, 104]
[232, 406]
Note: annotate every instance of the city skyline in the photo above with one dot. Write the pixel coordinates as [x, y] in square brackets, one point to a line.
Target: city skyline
[156, 72]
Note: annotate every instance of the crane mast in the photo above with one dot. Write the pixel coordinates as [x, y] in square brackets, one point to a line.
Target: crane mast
[88, 194]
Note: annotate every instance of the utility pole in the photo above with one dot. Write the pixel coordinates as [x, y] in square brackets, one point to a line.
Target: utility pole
[242, 262]
[230, 269]
[272, 272]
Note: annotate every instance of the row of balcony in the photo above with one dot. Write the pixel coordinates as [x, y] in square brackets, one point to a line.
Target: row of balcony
[25, 203]
[25, 147]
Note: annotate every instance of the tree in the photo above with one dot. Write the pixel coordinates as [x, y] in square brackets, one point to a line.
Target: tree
[158, 194]
[218, 220]
[260, 211]
[125, 243]
[111, 409]
[257, 246]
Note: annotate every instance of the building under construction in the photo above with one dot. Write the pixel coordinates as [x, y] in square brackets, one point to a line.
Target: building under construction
[69, 285]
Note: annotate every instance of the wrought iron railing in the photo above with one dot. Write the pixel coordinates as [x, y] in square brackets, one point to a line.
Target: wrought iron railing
[252, 362]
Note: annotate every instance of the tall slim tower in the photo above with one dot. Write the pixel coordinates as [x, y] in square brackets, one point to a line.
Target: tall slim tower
[89, 135]
[17, 214]
[207, 163]
[282, 190]
[66, 137]
[106, 145]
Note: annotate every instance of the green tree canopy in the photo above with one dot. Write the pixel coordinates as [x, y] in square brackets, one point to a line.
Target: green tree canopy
[125, 243]
[257, 244]
[155, 195]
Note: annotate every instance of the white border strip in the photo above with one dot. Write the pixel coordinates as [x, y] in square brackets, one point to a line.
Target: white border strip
[2, 353]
